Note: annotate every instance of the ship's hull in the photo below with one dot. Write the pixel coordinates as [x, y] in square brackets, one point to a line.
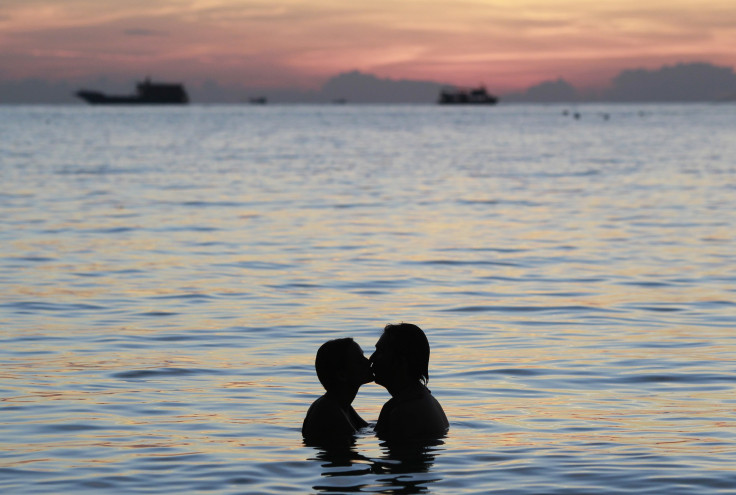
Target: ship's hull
[484, 102]
[461, 99]
[97, 98]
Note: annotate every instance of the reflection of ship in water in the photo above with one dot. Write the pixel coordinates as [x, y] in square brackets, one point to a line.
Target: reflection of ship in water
[147, 93]
[471, 96]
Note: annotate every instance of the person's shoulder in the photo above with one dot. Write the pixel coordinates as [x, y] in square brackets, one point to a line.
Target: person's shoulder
[421, 416]
[321, 409]
[325, 418]
[425, 406]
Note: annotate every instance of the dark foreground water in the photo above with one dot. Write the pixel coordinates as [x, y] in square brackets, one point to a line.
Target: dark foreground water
[166, 276]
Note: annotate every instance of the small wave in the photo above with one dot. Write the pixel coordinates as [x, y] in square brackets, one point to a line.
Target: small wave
[213, 204]
[518, 371]
[42, 306]
[376, 284]
[99, 170]
[715, 303]
[11, 195]
[177, 338]
[112, 230]
[499, 371]
[493, 202]
[550, 280]
[647, 284]
[158, 314]
[67, 428]
[188, 228]
[347, 206]
[484, 249]
[659, 309]
[211, 244]
[564, 294]
[31, 259]
[89, 274]
[591, 172]
[526, 309]
[256, 265]
[294, 286]
[462, 263]
[160, 373]
[678, 378]
[184, 297]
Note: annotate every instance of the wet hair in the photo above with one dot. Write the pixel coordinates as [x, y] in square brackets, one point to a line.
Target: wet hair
[409, 342]
[331, 358]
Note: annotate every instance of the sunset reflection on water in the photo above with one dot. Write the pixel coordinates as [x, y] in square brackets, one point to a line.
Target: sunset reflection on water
[161, 315]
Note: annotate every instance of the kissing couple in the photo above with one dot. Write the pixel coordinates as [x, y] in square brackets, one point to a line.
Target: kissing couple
[400, 364]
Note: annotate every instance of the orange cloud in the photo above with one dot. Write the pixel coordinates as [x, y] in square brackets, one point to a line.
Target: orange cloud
[291, 42]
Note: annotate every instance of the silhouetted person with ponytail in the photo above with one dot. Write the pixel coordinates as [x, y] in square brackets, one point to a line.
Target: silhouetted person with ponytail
[400, 363]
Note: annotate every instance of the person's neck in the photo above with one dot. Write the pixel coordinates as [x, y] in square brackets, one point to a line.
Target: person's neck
[403, 387]
[343, 395]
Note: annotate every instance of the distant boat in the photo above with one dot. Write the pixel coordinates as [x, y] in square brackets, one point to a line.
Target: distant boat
[472, 96]
[258, 100]
[147, 93]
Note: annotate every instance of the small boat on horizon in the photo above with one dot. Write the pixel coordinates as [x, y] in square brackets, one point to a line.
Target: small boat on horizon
[147, 93]
[466, 96]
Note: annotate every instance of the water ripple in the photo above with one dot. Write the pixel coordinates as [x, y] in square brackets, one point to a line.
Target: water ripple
[528, 309]
[161, 373]
[169, 274]
[32, 307]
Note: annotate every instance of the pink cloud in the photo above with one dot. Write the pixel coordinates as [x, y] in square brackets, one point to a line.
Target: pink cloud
[285, 43]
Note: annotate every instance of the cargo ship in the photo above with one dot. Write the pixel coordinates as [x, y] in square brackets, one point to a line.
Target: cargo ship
[147, 93]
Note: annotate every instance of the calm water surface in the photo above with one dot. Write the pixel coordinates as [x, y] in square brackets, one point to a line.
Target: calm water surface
[167, 275]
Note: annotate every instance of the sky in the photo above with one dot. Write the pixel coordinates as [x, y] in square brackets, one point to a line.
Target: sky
[504, 44]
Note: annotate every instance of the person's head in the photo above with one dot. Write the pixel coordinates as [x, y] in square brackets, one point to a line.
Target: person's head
[341, 362]
[402, 352]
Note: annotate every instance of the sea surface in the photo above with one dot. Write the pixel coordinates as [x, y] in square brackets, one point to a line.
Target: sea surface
[167, 275]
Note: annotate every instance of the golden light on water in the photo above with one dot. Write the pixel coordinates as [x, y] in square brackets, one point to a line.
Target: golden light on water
[578, 305]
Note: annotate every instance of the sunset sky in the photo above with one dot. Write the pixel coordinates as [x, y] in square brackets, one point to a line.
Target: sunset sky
[506, 44]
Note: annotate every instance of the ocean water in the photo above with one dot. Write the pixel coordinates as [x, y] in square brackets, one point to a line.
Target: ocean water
[167, 275]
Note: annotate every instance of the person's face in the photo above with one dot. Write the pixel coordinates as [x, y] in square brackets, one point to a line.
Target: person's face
[358, 367]
[382, 361]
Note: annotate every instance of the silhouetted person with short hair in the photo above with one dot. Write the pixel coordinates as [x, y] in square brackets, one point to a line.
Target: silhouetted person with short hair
[400, 363]
[342, 369]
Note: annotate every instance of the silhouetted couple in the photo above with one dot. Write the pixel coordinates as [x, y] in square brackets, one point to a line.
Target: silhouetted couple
[400, 364]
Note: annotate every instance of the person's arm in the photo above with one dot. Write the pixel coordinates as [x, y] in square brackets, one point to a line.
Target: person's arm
[356, 420]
